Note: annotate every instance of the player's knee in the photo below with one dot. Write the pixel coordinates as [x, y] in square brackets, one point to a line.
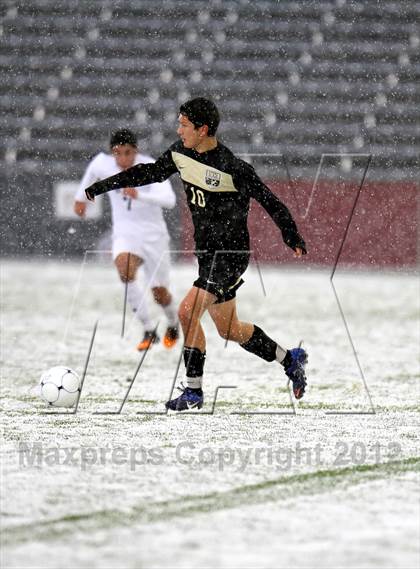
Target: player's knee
[127, 276]
[126, 265]
[161, 295]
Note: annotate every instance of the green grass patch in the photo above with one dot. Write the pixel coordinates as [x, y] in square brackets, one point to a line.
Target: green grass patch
[268, 491]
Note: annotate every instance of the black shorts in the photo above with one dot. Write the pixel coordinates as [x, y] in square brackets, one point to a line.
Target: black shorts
[220, 273]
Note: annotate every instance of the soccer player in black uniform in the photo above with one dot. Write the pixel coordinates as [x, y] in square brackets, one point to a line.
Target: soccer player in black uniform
[218, 188]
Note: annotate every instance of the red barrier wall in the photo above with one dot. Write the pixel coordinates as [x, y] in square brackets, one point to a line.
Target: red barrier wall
[382, 230]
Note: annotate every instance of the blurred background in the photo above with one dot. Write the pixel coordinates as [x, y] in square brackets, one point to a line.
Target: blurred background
[321, 96]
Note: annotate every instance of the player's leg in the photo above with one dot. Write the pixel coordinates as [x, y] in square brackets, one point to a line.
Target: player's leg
[157, 274]
[218, 273]
[191, 309]
[228, 325]
[249, 336]
[127, 265]
[254, 340]
[164, 298]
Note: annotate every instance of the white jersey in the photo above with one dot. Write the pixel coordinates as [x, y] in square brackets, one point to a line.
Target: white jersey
[141, 218]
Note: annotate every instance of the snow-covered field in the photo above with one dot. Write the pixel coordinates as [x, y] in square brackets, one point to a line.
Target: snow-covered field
[331, 481]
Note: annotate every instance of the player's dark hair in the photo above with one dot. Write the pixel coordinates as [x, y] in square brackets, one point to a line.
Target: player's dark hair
[123, 136]
[202, 111]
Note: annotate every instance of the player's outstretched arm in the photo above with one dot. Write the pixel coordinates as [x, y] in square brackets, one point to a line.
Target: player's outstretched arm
[131, 177]
[138, 175]
[276, 209]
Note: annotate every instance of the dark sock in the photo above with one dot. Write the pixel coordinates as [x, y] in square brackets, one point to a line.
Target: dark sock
[194, 365]
[194, 361]
[261, 345]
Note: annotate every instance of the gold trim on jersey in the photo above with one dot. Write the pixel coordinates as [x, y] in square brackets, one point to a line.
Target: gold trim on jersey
[235, 283]
[201, 175]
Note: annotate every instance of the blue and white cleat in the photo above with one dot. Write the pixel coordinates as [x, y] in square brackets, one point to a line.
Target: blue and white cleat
[295, 370]
[189, 399]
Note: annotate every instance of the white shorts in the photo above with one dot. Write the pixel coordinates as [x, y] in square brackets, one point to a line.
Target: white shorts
[154, 254]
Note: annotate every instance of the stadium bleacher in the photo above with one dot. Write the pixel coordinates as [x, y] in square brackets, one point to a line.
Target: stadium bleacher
[297, 78]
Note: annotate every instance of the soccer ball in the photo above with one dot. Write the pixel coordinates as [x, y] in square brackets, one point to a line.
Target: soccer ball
[60, 386]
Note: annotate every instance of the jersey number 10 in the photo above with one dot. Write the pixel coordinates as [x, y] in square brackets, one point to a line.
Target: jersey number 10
[198, 197]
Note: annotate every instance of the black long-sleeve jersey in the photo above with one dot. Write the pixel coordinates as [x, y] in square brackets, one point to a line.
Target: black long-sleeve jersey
[218, 186]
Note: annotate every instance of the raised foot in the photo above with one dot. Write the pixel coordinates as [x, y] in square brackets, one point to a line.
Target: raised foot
[295, 371]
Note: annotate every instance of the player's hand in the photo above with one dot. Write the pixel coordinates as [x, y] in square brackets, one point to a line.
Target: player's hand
[298, 252]
[79, 208]
[130, 193]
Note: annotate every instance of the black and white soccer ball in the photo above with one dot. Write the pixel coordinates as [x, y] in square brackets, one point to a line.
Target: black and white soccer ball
[59, 386]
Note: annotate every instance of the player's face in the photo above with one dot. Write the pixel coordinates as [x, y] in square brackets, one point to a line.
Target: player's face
[188, 133]
[124, 155]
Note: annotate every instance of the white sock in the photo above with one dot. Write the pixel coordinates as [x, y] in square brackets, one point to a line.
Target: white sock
[170, 313]
[136, 299]
[194, 382]
[280, 354]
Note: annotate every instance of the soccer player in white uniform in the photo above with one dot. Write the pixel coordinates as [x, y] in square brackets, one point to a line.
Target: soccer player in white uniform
[139, 232]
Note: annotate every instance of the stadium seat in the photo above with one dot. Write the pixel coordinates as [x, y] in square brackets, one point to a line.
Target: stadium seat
[296, 77]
